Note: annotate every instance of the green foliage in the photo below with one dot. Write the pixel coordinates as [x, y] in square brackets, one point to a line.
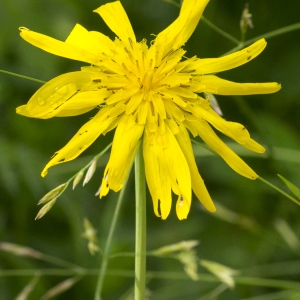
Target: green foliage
[255, 229]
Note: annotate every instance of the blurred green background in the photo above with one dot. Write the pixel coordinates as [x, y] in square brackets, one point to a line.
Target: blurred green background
[255, 229]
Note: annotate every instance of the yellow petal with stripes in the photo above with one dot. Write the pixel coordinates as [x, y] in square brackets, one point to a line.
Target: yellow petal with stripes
[95, 43]
[123, 150]
[116, 19]
[198, 185]
[215, 85]
[157, 176]
[233, 160]
[178, 167]
[175, 35]
[236, 59]
[57, 47]
[85, 136]
[50, 99]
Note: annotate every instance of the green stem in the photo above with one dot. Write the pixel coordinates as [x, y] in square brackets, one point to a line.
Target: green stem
[105, 258]
[61, 262]
[260, 178]
[22, 76]
[279, 190]
[210, 24]
[274, 33]
[267, 35]
[140, 231]
[220, 31]
[202, 277]
[95, 158]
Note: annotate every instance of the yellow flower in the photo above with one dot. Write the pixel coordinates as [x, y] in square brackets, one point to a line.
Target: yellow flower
[151, 93]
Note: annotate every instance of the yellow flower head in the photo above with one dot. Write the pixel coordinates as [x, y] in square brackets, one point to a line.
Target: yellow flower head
[146, 92]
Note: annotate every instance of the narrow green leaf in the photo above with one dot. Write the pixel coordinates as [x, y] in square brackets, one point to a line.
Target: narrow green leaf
[295, 190]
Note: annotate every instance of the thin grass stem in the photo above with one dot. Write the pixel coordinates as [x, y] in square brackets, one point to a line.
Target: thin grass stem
[267, 35]
[219, 30]
[279, 190]
[22, 76]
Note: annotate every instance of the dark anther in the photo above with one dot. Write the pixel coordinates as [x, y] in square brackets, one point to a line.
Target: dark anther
[188, 71]
[152, 108]
[130, 42]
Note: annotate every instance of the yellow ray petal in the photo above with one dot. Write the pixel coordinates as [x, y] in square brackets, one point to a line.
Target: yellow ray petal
[198, 185]
[104, 188]
[49, 100]
[212, 140]
[124, 145]
[95, 43]
[182, 208]
[88, 98]
[254, 146]
[234, 130]
[57, 47]
[117, 20]
[175, 35]
[173, 110]
[215, 65]
[112, 125]
[183, 92]
[143, 112]
[215, 85]
[178, 167]
[134, 102]
[157, 176]
[190, 127]
[152, 118]
[172, 125]
[73, 112]
[168, 93]
[122, 94]
[159, 105]
[85, 136]
[22, 110]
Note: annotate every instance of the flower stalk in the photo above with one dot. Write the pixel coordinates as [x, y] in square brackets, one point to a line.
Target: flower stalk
[140, 232]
